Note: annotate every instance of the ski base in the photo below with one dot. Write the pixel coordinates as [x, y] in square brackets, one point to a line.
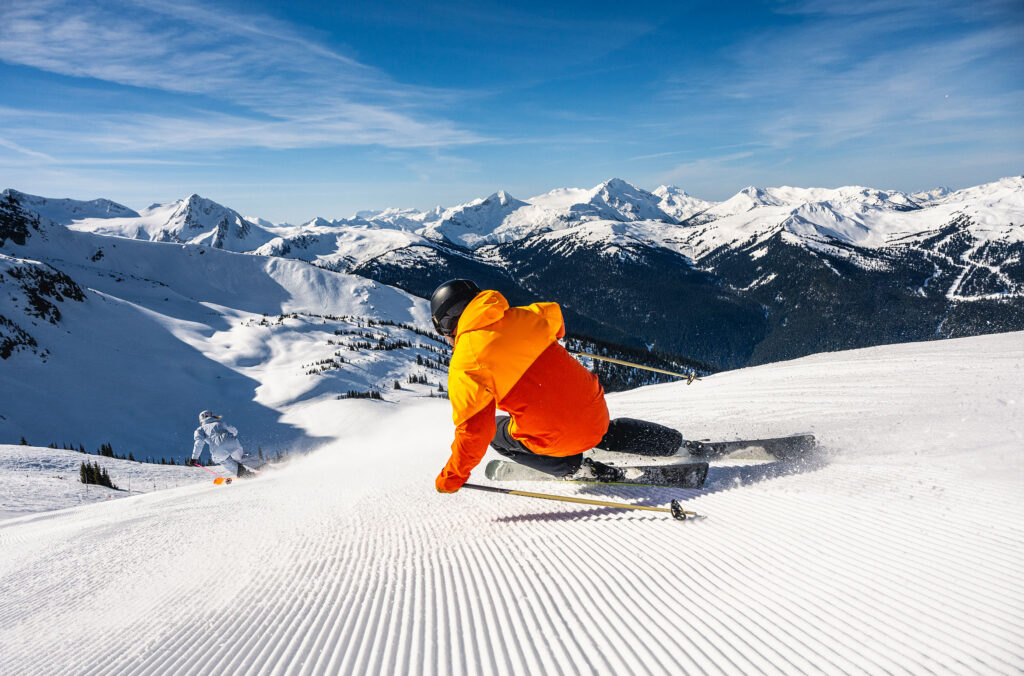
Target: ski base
[687, 475]
[779, 448]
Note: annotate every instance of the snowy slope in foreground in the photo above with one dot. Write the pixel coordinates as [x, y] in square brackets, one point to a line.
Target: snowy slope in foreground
[903, 552]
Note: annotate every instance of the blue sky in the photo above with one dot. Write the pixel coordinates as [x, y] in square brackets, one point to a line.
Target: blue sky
[292, 110]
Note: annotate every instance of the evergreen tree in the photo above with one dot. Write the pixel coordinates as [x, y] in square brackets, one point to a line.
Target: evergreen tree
[92, 473]
[23, 442]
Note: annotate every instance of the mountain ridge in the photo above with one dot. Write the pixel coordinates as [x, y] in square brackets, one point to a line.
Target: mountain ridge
[191, 220]
[793, 270]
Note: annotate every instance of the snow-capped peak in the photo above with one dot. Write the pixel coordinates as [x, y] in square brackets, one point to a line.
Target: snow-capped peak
[65, 211]
[628, 201]
[666, 190]
[318, 222]
[264, 223]
[477, 222]
[618, 185]
[613, 199]
[497, 199]
[923, 196]
[1001, 189]
[194, 220]
[678, 204]
[754, 197]
[503, 198]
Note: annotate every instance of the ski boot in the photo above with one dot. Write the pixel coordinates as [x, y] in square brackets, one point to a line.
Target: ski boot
[592, 470]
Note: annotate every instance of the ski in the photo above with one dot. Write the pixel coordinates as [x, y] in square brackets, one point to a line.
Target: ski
[779, 448]
[228, 479]
[679, 475]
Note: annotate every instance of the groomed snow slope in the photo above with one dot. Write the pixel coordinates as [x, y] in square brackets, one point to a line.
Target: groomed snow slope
[902, 551]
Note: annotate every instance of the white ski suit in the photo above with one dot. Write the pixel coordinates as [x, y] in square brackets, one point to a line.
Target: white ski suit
[225, 449]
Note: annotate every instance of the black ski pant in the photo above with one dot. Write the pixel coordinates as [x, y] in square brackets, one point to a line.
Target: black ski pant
[624, 435]
[513, 449]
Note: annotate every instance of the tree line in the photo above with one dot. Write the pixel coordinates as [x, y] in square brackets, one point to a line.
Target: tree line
[106, 450]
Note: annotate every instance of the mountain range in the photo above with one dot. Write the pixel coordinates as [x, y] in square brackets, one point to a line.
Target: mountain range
[771, 273]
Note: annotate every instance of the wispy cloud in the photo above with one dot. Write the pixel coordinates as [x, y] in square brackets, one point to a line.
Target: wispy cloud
[141, 132]
[846, 71]
[652, 156]
[11, 145]
[283, 89]
[705, 171]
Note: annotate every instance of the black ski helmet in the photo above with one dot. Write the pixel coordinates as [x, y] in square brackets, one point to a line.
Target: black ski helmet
[447, 303]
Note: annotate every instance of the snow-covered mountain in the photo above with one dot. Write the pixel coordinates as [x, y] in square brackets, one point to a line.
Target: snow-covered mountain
[814, 217]
[852, 215]
[613, 200]
[771, 273]
[111, 340]
[925, 196]
[265, 224]
[66, 211]
[899, 550]
[476, 223]
[401, 219]
[754, 199]
[501, 218]
[627, 263]
[679, 205]
[193, 220]
[338, 247]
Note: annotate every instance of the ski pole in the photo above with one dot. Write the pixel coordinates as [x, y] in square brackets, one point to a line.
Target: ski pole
[676, 510]
[205, 470]
[219, 480]
[689, 377]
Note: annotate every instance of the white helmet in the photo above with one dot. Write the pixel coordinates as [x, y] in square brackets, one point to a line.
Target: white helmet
[206, 415]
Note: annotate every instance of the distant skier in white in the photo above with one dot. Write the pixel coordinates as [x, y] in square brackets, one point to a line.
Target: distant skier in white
[225, 449]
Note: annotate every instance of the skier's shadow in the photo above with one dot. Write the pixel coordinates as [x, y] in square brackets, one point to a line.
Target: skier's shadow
[720, 478]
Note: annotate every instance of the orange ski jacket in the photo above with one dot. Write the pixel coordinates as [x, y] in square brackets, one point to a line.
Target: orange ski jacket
[509, 358]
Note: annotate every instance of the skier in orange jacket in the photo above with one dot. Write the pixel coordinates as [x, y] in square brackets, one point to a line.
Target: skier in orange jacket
[509, 358]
